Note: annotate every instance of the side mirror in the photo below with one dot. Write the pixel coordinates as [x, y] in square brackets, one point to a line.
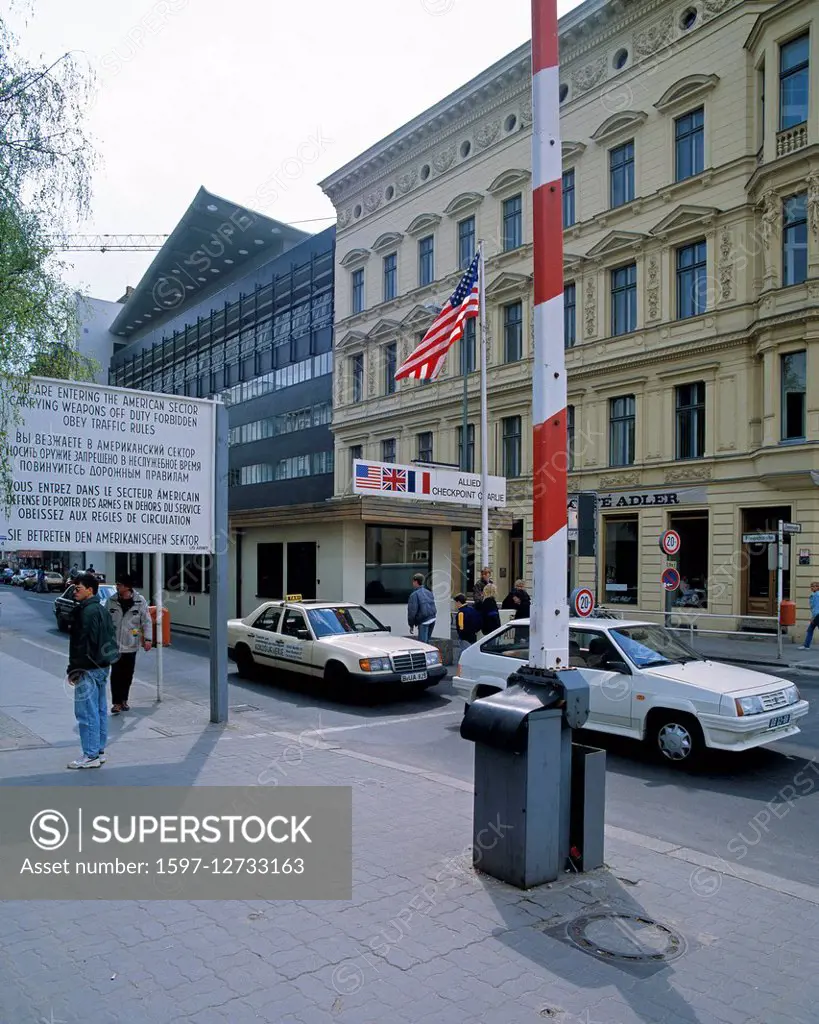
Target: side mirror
[618, 666]
[388, 629]
[302, 634]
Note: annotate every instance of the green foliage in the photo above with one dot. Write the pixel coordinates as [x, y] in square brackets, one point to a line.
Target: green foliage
[45, 170]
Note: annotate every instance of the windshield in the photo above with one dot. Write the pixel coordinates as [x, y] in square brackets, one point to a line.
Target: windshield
[330, 621]
[653, 645]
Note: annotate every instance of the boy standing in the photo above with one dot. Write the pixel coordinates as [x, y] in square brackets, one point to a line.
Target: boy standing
[92, 649]
[814, 615]
[467, 621]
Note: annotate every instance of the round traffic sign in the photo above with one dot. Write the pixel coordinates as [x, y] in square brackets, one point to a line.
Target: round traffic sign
[670, 578]
[582, 602]
[670, 542]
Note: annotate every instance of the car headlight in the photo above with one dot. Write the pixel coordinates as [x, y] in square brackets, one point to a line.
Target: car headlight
[791, 694]
[749, 705]
[433, 658]
[375, 664]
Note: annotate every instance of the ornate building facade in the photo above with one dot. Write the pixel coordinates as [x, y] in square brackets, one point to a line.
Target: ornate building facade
[691, 234]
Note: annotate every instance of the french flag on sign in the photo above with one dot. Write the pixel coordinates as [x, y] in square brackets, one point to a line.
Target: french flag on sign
[418, 482]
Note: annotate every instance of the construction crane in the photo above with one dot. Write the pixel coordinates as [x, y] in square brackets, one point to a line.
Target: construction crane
[110, 243]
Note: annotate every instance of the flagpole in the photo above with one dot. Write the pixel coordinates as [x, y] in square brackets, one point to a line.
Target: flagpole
[484, 417]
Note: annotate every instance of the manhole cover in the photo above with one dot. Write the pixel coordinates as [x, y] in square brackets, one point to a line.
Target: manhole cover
[627, 938]
[239, 708]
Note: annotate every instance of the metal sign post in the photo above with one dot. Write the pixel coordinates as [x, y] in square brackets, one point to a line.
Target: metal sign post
[219, 574]
[780, 564]
[159, 603]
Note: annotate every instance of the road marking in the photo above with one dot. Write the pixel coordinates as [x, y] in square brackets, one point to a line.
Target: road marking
[377, 723]
[64, 654]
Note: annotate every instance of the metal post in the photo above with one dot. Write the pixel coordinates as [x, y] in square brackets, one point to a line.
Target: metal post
[484, 417]
[219, 573]
[159, 583]
[780, 564]
[465, 451]
[549, 643]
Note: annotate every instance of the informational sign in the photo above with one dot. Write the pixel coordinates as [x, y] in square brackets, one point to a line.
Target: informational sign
[110, 469]
[792, 527]
[670, 542]
[453, 487]
[804, 556]
[582, 602]
[759, 538]
[670, 579]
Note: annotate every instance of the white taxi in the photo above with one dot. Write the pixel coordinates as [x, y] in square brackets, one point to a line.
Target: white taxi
[338, 642]
[647, 684]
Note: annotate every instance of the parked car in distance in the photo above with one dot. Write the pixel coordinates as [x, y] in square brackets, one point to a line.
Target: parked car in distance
[6, 576]
[341, 643]
[21, 576]
[65, 604]
[646, 684]
[54, 581]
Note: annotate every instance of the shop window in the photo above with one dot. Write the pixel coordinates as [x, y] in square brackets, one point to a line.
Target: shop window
[270, 570]
[187, 574]
[692, 561]
[794, 394]
[393, 556]
[621, 552]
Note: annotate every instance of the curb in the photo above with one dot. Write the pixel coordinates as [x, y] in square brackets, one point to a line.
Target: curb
[778, 665]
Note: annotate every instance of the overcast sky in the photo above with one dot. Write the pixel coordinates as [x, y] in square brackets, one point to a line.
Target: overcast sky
[226, 94]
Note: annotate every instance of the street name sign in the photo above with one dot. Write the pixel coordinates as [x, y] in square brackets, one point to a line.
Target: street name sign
[792, 527]
[98, 468]
[454, 487]
[759, 538]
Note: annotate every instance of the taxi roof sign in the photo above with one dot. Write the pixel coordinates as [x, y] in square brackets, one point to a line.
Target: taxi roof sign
[293, 597]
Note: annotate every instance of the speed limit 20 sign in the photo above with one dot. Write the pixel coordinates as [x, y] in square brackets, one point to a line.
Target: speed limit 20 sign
[670, 542]
[582, 602]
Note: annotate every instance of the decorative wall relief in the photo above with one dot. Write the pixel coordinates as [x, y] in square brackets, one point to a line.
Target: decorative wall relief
[587, 77]
[590, 308]
[726, 266]
[771, 223]
[487, 133]
[443, 161]
[652, 39]
[616, 481]
[653, 289]
[344, 218]
[407, 181]
[526, 111]
[373, 200]
[680, 474]
[711, 8]
[813, 205]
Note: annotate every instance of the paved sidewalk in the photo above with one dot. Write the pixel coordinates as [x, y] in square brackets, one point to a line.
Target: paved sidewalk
[754, 651]
[424, 939]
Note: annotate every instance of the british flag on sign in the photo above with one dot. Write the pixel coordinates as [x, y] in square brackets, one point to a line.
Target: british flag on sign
[394, 480]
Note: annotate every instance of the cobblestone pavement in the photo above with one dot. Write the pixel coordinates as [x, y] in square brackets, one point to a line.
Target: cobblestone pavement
[425, 938]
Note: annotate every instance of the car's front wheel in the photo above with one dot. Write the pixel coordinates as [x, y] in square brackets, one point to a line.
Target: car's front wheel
[676, 737]
[245, 665]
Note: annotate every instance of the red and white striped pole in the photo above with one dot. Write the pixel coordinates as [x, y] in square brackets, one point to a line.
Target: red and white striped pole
[549, 638]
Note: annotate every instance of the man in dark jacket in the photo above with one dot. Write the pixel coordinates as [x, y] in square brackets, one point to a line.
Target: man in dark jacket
[518, 598]
[421, 609]
[92, 649]
[477, 592]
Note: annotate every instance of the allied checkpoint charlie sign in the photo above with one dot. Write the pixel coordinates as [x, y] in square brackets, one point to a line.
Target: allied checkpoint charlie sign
[445, 485]
[97, 468]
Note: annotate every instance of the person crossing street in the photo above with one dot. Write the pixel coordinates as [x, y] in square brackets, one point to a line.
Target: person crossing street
[133, 628]
[814, 616]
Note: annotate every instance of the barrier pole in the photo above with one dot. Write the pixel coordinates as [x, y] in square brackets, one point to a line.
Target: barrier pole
[160, 615]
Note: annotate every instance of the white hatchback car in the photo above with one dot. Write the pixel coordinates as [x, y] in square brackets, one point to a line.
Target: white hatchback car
[339, 642]
[647, 684]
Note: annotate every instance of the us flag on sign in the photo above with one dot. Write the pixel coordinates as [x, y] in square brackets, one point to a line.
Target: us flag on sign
[368, 477]
[427, 361]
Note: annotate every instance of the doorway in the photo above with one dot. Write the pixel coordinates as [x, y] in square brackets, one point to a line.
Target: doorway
[301, 569]
[759, 562]
[516, 552]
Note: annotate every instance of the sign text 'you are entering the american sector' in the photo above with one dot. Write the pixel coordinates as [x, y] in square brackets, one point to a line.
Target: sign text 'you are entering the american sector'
[100, 468]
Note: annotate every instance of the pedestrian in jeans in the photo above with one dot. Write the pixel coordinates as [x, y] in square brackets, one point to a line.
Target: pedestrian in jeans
[814, 615]
[421, 609]
[133, 629]
[92, 649]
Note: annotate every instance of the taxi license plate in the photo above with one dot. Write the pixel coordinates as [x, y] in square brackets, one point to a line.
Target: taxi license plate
[780, 720]
[413, 677]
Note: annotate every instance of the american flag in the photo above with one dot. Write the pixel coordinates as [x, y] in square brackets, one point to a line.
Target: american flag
[368, 477]
[394, 480]
[426, 362]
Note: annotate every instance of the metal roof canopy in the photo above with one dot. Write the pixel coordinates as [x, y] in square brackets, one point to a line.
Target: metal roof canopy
[214, 239]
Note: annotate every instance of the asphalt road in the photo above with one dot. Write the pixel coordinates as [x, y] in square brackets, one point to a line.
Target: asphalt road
[757, 809]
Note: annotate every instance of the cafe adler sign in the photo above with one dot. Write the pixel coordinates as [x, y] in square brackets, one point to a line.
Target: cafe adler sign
[637, 500]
